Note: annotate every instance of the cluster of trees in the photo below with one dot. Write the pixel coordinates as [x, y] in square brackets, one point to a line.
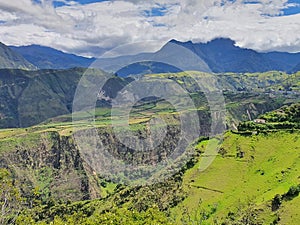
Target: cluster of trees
[287, 117]
[291, 193]
[127, 205]
[250, 126]
[284, 114]
[11, 201]
[117, 216]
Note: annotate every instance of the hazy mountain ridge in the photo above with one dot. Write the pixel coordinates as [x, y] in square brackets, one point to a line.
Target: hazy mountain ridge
[219, 55]
[223, 55]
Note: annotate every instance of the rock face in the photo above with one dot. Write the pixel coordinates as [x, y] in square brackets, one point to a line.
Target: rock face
[49, 164]
[56, 168]
[69, 168]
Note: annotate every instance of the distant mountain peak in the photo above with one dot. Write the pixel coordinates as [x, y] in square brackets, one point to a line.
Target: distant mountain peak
[222, 40]
[218, 40]
[219, 55]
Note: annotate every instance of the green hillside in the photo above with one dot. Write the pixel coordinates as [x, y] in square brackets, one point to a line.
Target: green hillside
[262, 187]
[234, 189]
[253, 180]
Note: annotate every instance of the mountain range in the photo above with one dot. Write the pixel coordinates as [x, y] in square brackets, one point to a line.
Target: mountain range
[219, 55]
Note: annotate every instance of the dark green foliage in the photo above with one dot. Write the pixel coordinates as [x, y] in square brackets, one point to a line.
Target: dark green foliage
[292, 192]
[287, 117]
[136, 205]
[49, 168]
[248, 215]
[276, 202]
[11, 202]
[284, 114]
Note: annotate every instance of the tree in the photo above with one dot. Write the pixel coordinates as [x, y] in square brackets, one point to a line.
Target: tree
[276, 202]
[10, 198]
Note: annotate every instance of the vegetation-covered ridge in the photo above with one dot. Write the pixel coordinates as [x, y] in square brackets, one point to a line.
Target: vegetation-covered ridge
[31, 97]
[287, 117]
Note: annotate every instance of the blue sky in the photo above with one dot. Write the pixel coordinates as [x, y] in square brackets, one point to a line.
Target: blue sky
[159, 11]
[292, 9]
[83, 2]
[156, 11]
[133, 26]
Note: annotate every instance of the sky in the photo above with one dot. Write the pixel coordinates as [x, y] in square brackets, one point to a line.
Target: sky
[101, 28]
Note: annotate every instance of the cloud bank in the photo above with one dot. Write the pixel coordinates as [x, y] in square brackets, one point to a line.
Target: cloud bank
[91, 29]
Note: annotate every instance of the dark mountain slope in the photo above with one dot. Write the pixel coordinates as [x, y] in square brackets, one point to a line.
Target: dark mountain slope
[284, 61]
[222, 55]
[296, 68]
[13, 60]
[30, 97]
[146, 68]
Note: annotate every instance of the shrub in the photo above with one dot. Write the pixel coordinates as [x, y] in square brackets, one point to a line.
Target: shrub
[292, 192]
[276, 202]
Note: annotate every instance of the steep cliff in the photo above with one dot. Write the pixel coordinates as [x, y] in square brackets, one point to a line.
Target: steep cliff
[48, 165]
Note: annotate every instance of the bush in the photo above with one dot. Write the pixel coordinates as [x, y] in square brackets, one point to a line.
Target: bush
[276, 202]
[292, 192]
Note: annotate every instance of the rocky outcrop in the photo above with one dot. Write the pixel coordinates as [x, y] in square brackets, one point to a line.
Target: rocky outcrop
[49, 165]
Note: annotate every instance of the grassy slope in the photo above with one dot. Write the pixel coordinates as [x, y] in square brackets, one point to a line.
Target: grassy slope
[231, 190]
[270, 166]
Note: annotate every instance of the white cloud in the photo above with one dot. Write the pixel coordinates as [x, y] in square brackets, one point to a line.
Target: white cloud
[90, 29]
